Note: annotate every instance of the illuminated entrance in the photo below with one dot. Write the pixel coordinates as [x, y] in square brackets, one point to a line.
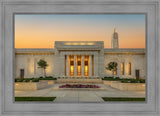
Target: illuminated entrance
[79, 65]
[71, 65]
[86, 60]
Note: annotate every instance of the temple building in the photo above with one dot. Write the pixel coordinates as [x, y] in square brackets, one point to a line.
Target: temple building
[81, 59]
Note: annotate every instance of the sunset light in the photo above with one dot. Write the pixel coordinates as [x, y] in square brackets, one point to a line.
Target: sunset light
[41, 31]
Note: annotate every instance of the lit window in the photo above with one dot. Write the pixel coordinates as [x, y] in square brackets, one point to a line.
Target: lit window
[78, 65]
[115, 71]
[71, 65]
[122, 68]
[72, 70]
[86, 71]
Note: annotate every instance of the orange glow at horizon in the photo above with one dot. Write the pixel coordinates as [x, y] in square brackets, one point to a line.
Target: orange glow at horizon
[43, 35]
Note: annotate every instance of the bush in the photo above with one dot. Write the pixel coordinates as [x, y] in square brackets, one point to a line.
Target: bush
[15, 80]
[19, 80]
[49, 77]
[134, 81]
[35, 80]
[142, 80]
[40, 77]
[117, 78]
[27, 80]
[108, 78]
[124, 81]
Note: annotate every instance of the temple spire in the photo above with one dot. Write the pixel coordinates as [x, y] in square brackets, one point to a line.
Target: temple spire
[114, 40]
[114, 30]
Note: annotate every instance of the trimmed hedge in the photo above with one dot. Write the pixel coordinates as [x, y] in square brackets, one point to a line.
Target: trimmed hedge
[34, 79]
[124, 80]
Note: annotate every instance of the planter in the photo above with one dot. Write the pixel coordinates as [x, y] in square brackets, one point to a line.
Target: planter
[50, 82]
[106, 82]
[79, 86]
[30, 85]
[79, 80]
[128, 86]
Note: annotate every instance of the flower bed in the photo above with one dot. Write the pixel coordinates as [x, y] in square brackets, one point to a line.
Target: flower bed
[79, 86]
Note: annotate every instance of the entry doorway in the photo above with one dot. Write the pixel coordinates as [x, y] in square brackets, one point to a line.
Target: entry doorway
[21, 73]
[71, 63]
[137, 74]
[86, 65]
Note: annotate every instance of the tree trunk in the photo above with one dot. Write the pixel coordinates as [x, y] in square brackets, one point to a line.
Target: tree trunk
[44, 72]
[113, 72]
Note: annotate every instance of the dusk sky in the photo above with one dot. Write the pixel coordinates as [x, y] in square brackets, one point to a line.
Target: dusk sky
[41, 31]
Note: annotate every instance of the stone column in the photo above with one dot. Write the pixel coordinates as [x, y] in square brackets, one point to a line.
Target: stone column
[82, 65]
[67, 65]
[75, 65]
[96, 65]
[90, 65]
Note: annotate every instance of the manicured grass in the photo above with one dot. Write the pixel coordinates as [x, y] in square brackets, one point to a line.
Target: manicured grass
[122, 99]
[34, 98]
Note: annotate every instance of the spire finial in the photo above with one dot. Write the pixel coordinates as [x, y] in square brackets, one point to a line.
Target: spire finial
[114, 30]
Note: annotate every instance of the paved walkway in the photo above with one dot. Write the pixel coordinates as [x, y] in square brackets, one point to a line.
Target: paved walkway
[80, 95]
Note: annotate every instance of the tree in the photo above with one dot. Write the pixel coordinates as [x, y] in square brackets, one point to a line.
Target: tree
[112, 66]
[43, 64]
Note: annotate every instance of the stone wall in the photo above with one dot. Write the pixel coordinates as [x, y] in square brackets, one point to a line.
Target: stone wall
[137, 63]
[50, 82]
[27, 59]
[127, 86]
[79, 81]
[28, 62]
[30, 85]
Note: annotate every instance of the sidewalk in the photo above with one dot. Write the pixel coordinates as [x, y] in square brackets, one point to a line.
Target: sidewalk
[63, 96]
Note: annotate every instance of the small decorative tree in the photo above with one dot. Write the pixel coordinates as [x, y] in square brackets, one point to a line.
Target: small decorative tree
[43, 64]
[112, 66]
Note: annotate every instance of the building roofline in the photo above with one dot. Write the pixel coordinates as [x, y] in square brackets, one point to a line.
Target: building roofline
[125, 51]
[34, 50]
[106, 51]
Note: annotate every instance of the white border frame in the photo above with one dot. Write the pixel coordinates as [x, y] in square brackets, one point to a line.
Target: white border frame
[9, 7]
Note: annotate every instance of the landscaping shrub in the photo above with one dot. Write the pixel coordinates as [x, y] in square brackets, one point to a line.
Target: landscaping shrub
[79, 86]
[142, 80]
[134, 81]
[49, 77]
[108, 78]
[16, 80]
[117, 78]
[124, 81]
[26, 80]
[35, 80]
[40, 77]
[19, 80]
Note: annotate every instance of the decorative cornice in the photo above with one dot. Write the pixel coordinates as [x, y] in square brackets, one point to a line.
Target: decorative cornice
[124, 53]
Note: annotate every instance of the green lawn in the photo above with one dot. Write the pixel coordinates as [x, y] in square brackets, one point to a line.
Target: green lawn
[34, 98]
[122, 99]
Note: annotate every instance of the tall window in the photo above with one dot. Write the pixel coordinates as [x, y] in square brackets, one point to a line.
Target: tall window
[86, 60]
[92, 65]
[115, 71]
[78, 65]
[122, 68]
[71, 65]
[65, 64]
[129, 69]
